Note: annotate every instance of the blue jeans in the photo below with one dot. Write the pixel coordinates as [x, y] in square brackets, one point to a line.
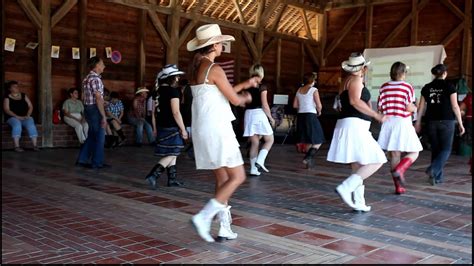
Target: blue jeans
[441, 135]
[93, 148]
[139, 125]
[16, 125]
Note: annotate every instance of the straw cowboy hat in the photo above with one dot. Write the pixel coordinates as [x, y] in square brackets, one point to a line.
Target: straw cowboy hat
[168, 71]
[206, 35]
[141, 89]
[355, 63]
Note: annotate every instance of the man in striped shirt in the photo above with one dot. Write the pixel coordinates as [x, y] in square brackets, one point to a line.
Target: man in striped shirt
[92, 151]
[398, 135]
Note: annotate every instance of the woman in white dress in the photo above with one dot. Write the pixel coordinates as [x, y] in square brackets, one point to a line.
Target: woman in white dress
[398, 134]
[352, 143]
[215, 145]
[258, 123]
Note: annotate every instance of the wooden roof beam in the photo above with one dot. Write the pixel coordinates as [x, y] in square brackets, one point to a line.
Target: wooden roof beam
[298, 4]
[361, 3]
[403, 24]
[344, 31]
[62, 11]
[278, 18]
[239, 12]
[31, 12]
[306, 24]
[453, 8]
[142, 5]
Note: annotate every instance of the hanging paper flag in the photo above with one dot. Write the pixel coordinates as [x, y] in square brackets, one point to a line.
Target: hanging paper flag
[226, 47]
[10, 44]
[108, 52]
[92, 52]
[75, 53]
[32, 45]
[55, 51]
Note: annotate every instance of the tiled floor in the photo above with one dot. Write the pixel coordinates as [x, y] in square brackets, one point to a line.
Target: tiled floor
[53, 212]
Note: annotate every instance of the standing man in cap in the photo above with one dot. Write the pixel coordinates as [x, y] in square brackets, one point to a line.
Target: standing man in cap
[93, 90]
[137, 116]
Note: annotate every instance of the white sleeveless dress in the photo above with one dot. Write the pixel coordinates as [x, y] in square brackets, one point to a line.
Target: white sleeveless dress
[214, 140]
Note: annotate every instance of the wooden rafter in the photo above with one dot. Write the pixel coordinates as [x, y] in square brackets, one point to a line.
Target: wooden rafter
[403, 24]
[62, 11]
[360, 3]
[31, 11]
[192, 23]
[306, 24]
[278, 18]
[270, 9]
[234, 10]
[452, 34]
[344, 31]
[140, 4]
[453, 8]
[218, 7]
[239, 12]
[258, 14]
[159, 27]
[208, 7]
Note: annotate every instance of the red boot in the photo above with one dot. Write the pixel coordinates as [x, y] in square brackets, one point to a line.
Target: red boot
[398, 187]
[400, 169]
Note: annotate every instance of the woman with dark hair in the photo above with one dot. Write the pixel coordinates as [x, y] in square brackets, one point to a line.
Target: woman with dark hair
[18, 108]
[258, 122]
[168, 127]
[308, 128]
[73, 110]
[397, 134]
[352, 143]
[215, 145]
[442, 110]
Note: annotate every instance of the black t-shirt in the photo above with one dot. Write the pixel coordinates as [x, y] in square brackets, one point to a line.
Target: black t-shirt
[347, 110]
[256, 97]
[437, 97]
[164, 115]
[18, 107]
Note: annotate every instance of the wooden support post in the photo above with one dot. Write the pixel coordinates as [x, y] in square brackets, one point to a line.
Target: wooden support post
[278, 65]
[467, 41]
[142, 18]
[82, 69]
[172, 51]
[2, 60]
[44, 74]
[369, 13]
[302, 56]
[323, 33]
[414, 23]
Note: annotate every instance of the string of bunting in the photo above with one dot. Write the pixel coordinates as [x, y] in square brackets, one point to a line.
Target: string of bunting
[115, 56]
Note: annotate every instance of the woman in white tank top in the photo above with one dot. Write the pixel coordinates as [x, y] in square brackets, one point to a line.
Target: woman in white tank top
[308, 128]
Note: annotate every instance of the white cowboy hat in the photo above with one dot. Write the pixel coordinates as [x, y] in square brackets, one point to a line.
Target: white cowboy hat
[355, 63]
[168, 71]
[141, 89]
[206, 35]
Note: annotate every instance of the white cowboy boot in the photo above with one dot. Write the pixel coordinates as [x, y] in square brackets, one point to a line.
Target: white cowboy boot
[203, 220]
[346, 188]
[262, 155]
[253, 168]
[359, 200]
[225, 232]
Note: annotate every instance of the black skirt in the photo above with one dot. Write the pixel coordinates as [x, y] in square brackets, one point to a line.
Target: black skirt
[168, 142]
[308, 129]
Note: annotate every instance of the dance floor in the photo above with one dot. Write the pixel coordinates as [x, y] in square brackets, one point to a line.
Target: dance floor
[55, 212]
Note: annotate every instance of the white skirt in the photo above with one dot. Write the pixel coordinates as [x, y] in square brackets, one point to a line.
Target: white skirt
[398, 134]
[256, 123]
[353, 142]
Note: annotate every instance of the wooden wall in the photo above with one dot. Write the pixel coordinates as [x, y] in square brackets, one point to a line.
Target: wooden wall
[117, 26]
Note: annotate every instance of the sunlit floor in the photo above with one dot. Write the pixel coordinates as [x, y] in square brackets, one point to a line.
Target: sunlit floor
[54, 212]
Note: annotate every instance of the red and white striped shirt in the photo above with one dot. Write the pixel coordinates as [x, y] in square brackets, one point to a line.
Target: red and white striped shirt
[394, 98]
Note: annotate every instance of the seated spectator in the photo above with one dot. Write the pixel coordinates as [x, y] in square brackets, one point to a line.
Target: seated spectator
[114, 112]
[137, 115]
[73, 110]
[18, 108]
